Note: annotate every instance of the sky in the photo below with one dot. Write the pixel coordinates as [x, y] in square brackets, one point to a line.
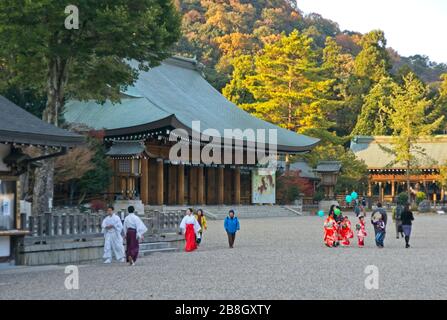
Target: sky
[411, 26]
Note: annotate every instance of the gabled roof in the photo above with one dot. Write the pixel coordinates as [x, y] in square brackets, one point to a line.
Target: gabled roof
[176, 93]
[328, 166]
[126, 149]
[373, 150]
[19, 126]
[302, 166]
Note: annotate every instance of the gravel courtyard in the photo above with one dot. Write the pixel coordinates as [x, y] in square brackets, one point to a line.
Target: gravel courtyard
[280, 258]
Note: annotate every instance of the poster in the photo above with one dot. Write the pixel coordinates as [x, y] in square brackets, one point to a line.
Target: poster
[263, 186]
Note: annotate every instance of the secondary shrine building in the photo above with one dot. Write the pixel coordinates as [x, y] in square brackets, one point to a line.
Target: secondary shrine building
[19, 129]
[387, 179]
[175, 96]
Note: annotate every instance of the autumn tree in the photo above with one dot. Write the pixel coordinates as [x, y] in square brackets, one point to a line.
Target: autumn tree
[70, 168]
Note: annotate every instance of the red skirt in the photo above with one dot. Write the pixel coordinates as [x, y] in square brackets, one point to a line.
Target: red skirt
[190, 237]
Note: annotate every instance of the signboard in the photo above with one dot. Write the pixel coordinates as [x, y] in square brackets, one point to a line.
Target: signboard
[5, 246]
[7, 204]
[263, 186]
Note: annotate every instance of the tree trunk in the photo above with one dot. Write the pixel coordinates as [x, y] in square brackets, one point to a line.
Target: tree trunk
[72, 192]
[43, 187]
[44, 176]
[289, 115]
[408, 181]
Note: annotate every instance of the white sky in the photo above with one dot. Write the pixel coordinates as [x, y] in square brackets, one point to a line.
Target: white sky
[411, 26]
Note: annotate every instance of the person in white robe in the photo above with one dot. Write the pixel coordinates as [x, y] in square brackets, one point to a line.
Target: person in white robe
[190, 228]
[134, 229]
[112, 228]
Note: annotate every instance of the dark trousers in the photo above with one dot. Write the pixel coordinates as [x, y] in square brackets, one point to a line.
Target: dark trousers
[231, 238]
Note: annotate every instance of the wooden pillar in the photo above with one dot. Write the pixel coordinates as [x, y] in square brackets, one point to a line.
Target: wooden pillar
[393, 190]
[237, 186]
[144, 181]
[442, 194]
[369, 189]
[381, 191]
[220, 186]
[211, 186]
[200, 186]
[181, 184]
[228, 186]
[160, 185]
[172, 184]
[193, 185]
[112, 185]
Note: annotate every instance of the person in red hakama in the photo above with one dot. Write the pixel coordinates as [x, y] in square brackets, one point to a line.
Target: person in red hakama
[346, 232]
[361, 232]
[330, 231]
[190, 228]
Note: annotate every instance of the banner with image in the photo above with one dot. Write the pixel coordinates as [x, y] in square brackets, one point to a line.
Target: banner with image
[263, 186]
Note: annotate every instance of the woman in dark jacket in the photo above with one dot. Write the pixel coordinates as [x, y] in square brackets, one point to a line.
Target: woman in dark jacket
[407, 221]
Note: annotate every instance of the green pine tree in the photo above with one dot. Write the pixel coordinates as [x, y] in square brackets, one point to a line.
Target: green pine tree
[412, 117]
[288, 85]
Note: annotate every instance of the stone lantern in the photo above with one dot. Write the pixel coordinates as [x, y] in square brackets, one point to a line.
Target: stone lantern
[328, 172]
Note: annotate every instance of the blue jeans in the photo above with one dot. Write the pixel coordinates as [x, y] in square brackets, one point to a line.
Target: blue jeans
[380, 237]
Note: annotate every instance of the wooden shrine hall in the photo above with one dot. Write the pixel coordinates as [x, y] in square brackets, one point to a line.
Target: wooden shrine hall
[387, 179]
[137, 131]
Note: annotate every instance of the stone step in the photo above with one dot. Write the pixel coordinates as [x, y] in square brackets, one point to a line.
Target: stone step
[162, 250]
[154, 245]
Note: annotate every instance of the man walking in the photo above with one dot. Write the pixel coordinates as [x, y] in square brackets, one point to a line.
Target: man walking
[397, 217]
[134, 229]
[379, 219]
[113, 244]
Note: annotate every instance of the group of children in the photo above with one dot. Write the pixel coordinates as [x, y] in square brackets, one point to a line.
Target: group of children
[338, 230]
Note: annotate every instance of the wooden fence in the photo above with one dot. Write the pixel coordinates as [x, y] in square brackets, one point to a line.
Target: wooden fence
[72, 224]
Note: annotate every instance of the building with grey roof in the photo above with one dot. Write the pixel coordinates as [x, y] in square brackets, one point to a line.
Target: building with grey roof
[387, 177]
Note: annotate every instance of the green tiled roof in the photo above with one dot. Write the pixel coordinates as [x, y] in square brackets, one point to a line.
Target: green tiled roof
[177, 88]
[372, 150]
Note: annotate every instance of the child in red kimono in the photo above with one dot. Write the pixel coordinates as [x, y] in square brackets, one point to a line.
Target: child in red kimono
[361, 231]
[330, 231]
[346, 232]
